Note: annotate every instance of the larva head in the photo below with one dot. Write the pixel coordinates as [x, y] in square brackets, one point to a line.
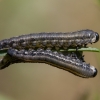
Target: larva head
[94, 36]
[94, 71]
[97, 37]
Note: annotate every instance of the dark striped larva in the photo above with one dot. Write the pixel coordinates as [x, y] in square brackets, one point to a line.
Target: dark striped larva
[51, 40]
[72, 62]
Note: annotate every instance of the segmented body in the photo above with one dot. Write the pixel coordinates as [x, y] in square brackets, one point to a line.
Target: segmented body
[50, 40]
[69, 62]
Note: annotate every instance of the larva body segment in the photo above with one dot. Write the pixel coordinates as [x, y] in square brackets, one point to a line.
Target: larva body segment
[71, 62]
[45, 40]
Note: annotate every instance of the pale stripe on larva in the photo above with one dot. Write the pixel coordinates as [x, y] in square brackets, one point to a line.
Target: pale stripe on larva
[45, 40]
[71, 62]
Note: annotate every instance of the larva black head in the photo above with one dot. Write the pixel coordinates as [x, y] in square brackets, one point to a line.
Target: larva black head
[97, 37]
[95, 71]
[89, 36]
[94, 36]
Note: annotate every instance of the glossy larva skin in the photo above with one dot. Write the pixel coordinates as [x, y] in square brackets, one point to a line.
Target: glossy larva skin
[69, 62]
[50, 40]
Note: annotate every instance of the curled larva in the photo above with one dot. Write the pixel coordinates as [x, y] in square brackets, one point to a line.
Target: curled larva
[72, 62]
[51, 40]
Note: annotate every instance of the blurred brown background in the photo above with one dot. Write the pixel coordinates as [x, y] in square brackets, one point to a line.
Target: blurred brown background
[41, 81]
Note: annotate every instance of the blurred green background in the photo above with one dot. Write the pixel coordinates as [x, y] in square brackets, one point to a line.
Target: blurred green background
[42, 81]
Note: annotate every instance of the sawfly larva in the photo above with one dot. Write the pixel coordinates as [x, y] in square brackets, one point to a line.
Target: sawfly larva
[72, 62]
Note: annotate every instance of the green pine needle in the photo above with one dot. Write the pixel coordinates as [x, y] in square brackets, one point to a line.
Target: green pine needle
[88, 49]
